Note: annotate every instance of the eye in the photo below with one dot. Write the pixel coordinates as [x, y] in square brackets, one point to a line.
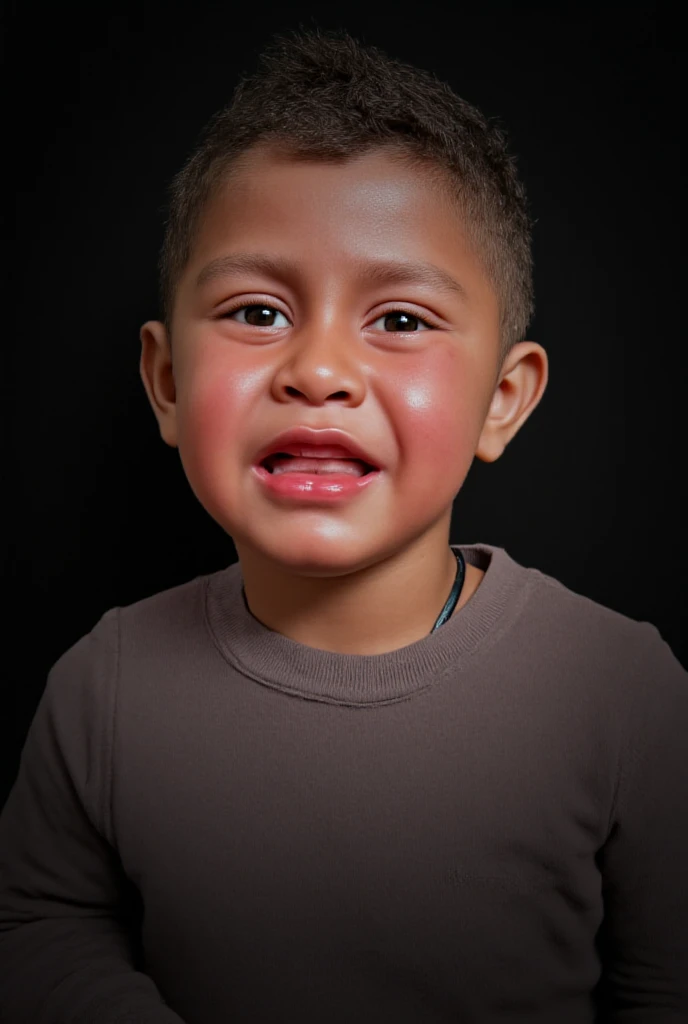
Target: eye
[405, 320]
[258, 314]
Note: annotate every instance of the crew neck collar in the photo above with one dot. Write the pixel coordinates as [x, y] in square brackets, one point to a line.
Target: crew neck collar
[274, 660]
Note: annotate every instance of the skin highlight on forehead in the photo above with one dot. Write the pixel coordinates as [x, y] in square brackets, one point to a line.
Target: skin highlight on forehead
[375, 220]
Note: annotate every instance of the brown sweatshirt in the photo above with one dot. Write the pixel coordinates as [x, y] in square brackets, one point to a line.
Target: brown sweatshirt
[215, 824]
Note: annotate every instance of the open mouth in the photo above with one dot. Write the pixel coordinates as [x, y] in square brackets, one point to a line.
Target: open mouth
[282, 462]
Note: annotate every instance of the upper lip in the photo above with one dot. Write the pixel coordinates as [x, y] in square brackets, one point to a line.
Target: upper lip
[291, 441]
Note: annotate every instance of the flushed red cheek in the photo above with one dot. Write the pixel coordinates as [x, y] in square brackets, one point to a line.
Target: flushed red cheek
[213, 426]
[435, 417]
[420, 406]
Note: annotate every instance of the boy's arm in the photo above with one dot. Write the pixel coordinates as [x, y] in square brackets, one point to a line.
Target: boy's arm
[644, 863]
[68, 943]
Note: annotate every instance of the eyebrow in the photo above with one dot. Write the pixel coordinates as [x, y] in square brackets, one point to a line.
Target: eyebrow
[372, 271]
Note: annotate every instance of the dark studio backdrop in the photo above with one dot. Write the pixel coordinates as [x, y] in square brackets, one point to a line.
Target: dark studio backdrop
[105, 102]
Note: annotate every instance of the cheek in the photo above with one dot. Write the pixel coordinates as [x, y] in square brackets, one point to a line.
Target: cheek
[436, 413]
[212, 414]
[431, 405]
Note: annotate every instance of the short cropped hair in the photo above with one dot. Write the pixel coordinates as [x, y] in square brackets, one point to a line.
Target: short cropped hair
[323, 95]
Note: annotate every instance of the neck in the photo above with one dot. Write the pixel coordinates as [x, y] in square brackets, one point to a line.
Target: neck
[372, 610]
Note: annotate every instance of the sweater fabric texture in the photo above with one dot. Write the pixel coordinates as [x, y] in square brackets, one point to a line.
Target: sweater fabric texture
[215, 824]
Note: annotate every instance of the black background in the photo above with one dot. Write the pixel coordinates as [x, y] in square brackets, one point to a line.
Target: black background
[104, 103]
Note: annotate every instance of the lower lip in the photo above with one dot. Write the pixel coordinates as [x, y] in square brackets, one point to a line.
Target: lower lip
[316, 487]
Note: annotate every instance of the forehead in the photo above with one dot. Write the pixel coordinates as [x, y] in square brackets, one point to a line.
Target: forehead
[369, 195]
[381, 179]
[331, 216]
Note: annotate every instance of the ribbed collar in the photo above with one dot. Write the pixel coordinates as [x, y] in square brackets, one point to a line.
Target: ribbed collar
[272, 659]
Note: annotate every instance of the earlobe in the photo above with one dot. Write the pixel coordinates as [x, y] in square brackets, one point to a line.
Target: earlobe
[155, 368]
[520, 387]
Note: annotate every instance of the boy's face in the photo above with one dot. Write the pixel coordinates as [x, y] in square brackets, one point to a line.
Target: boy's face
[414, 396]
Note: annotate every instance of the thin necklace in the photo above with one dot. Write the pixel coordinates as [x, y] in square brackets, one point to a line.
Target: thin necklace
[455, 591]
[451, 600]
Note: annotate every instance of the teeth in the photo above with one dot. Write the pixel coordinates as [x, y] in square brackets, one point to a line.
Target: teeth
[294, 464]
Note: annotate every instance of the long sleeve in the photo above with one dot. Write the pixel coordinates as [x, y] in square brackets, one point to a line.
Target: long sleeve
[644, 863]
[69, 950]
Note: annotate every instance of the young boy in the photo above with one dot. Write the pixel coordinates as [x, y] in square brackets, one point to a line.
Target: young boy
[363, 774]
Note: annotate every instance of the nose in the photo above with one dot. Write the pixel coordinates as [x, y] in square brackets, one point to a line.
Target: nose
[322, 365]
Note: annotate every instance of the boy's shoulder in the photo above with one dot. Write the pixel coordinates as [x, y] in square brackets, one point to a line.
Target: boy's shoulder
[148, 623]
[559, 602]
[167, 610]
[548, 621]
[604, 638]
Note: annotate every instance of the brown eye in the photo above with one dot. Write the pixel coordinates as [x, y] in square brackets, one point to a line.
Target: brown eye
[260, 314]
[256, 315]
[402, 320]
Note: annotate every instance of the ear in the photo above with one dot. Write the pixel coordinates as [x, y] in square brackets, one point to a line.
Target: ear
[158, 380]
[522, 381]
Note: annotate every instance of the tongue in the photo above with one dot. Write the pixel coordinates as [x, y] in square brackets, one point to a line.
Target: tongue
[299, 464]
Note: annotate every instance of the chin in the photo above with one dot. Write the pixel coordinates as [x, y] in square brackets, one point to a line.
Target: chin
[314, 556]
